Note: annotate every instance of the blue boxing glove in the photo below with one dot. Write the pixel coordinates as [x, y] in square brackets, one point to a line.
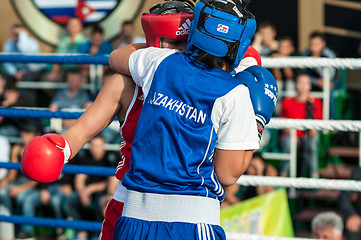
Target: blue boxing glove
[263, 92]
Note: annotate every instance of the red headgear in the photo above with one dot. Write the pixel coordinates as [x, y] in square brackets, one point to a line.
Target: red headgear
[167, 20]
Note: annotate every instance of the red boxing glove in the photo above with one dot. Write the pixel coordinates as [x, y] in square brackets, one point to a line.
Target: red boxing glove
[44, 157]
[250, 58]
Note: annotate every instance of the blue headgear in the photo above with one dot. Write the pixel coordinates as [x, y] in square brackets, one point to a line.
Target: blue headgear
[222, 28]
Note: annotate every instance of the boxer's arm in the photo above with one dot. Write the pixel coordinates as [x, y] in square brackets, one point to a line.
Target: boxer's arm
[229, 165]
[119, 58]
[110, 101]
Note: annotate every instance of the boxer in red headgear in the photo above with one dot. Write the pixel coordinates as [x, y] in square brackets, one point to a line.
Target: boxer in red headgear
[165, 25]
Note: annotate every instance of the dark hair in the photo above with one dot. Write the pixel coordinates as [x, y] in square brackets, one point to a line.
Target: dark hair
[318, 34]
[99, 135]
[17, 25]
[267, 23]
[97, 29]
[11, 83]
[286, 38]
[72, 71]
[258, 155]
[127, 22]
[213, 61]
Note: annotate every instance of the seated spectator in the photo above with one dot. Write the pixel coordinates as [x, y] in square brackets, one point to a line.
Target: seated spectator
[327, 226]
[264, 40]
[285, 77]
[97, 45]
[73, 97]
[350, 206]
[51, 194]
[13, 97]
[112, 183]
[17, 186]
[69, 44]
[257, 167]
[6, 229]
[317, 47]
[21, 42]
[89, 189]
[303, 106]
[127, 35]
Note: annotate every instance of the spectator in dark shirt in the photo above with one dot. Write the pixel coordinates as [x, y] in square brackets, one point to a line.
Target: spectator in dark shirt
[350, 206]
[317, 47]
[89, 189]
[13, 97]
[96, 46]
[285, 77]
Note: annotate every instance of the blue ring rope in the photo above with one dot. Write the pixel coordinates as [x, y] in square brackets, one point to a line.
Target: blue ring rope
[54, 223]
[60, 59]
[71, 169]
[37, 113]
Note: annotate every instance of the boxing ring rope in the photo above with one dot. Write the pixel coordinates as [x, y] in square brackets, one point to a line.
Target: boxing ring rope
[292, 182]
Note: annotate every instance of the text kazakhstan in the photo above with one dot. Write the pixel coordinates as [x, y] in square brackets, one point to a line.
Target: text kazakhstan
[179, 107]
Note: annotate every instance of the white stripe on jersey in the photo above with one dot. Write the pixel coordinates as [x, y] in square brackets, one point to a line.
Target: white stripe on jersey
[213, 237]
[199, 231]
[131, 105]
[204, 158]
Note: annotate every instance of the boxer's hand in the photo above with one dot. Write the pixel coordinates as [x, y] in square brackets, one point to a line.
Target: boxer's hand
[44, 157]
[250, 58]
[263, 91]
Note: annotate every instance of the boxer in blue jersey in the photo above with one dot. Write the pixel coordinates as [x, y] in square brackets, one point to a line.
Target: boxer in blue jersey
[198, 126]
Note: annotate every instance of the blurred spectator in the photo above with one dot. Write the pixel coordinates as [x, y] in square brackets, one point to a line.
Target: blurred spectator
[69, 44]
[127, 35]
[327, 226]
[4, 155]
[13, 97]
[264, 40]
[350, 206]
[53, 195]
[73, 97]
[112, 184]
[257, 167]
[317, 48]
[17, 186]
[97, 45]
[21, 42]
[6, 229]
[303, 106]
[285, 77]
[89, 189]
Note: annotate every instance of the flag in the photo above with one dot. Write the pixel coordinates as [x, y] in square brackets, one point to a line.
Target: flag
[89, 11]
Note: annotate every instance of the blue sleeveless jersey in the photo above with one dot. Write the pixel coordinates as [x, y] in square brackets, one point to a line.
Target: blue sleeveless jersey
[175, 138]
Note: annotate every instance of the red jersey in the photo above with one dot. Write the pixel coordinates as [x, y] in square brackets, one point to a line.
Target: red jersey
[127, 131]
[291, 108]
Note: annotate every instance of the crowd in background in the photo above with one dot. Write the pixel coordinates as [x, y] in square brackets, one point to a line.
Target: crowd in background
[75, 196]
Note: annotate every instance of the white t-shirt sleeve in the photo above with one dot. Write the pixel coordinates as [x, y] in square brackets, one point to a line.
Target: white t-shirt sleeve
[144, 62]
[234, 121]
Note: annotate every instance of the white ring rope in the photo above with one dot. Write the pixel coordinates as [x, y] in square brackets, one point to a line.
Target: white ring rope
[311, 62]
[335, 125]
[244, 236]
[305, 183]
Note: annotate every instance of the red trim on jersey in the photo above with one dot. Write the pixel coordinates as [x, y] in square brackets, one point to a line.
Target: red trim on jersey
[128, 131]
[113, 211]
